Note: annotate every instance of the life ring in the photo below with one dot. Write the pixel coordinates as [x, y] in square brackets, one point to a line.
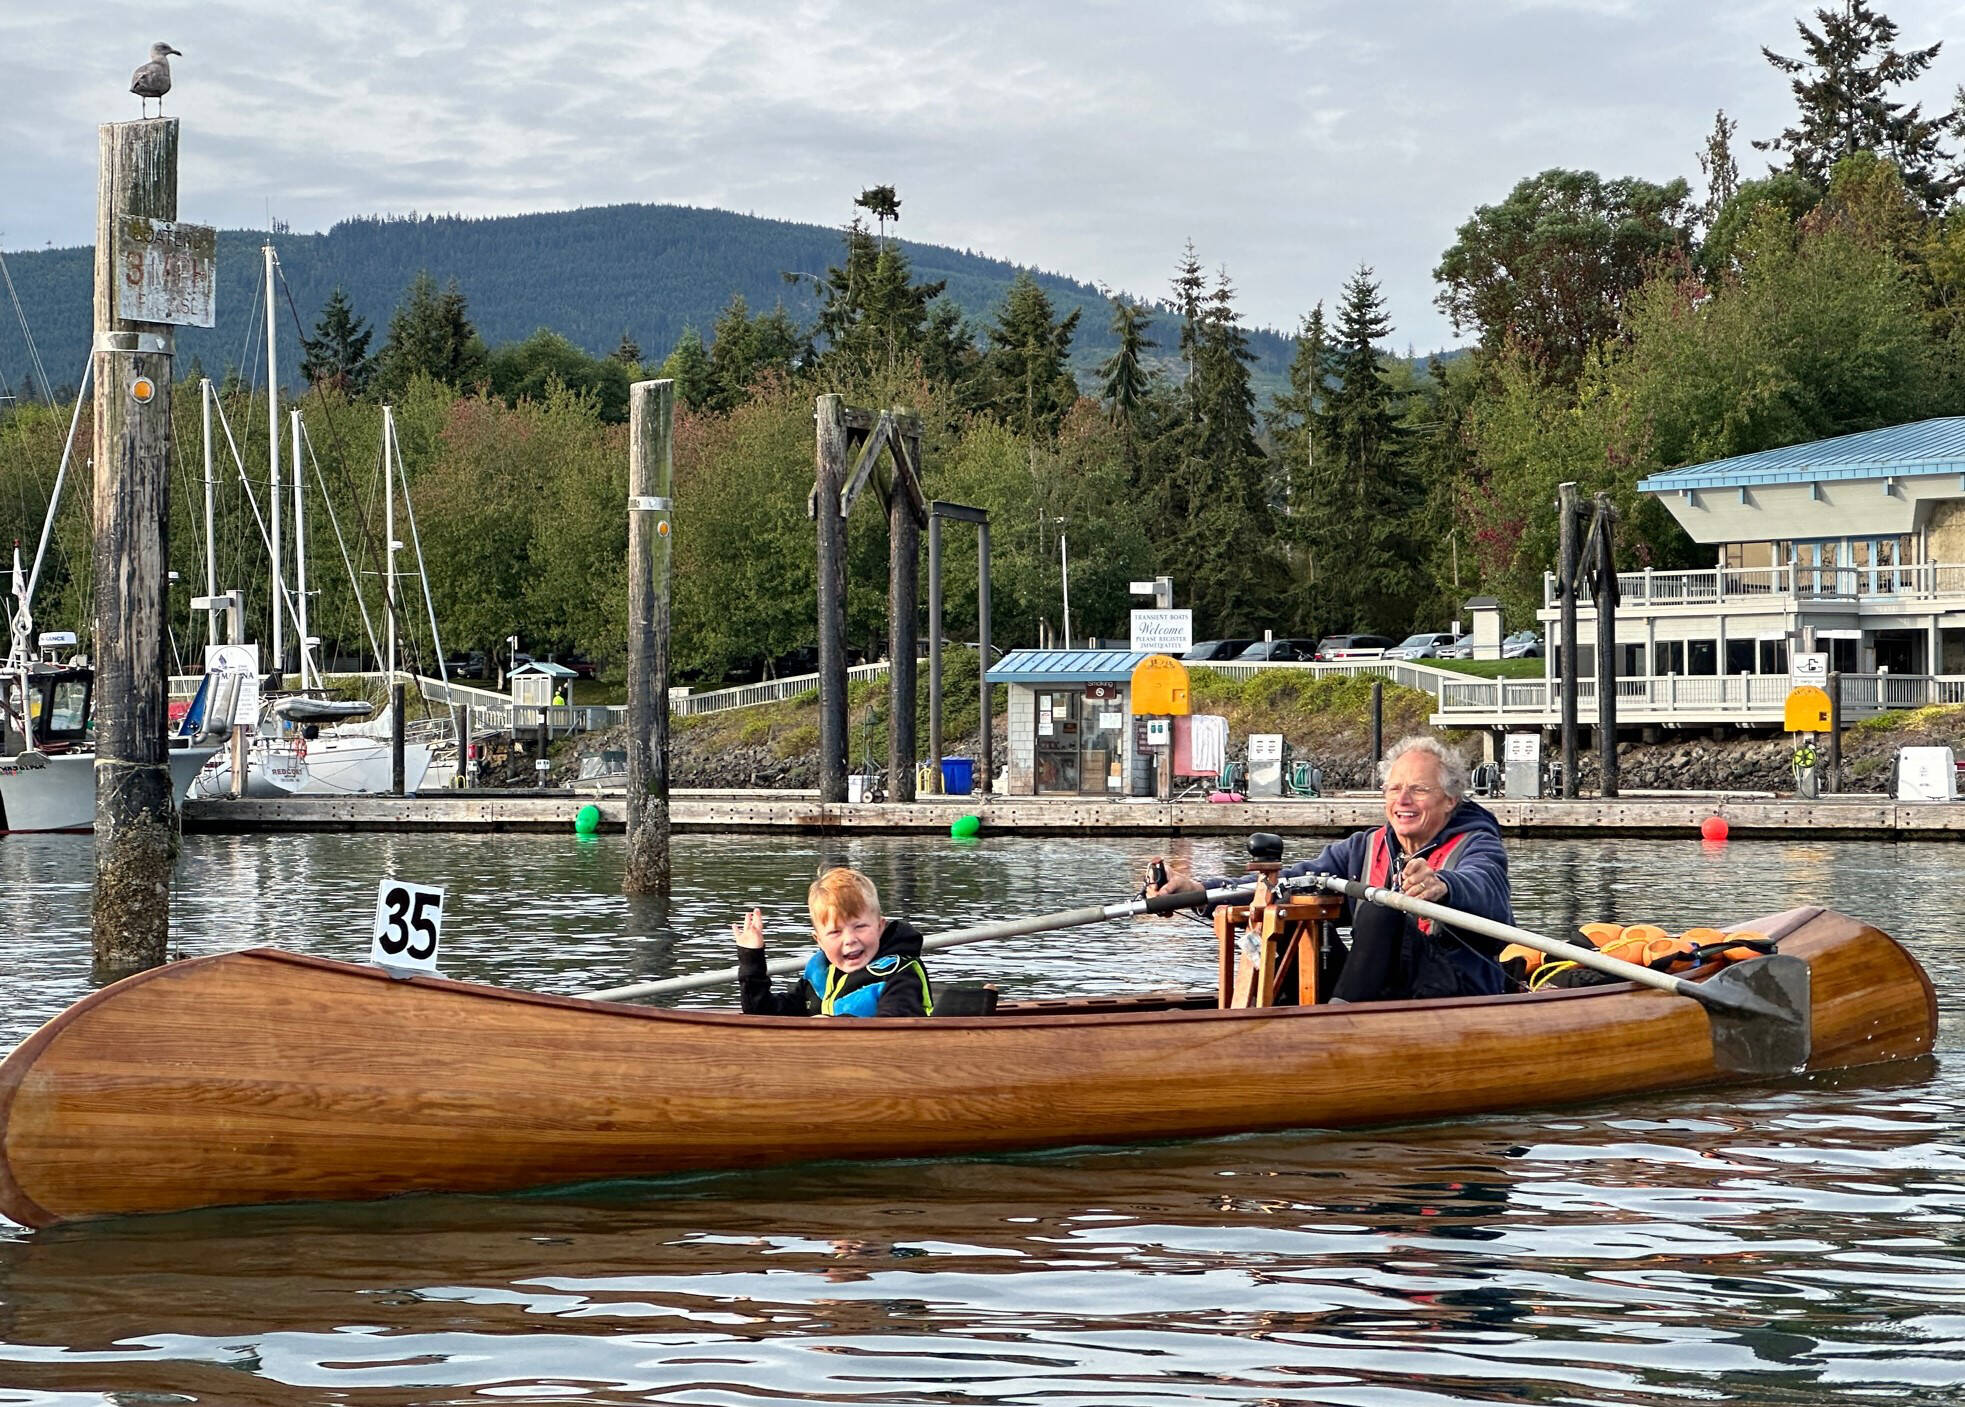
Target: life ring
[300, 748]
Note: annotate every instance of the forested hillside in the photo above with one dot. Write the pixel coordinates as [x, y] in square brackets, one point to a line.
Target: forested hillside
[590, 275]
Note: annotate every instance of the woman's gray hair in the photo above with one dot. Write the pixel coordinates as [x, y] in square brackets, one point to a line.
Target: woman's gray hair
[1453, 770]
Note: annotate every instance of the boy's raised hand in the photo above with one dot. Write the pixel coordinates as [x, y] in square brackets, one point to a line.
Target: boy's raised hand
[749, 933]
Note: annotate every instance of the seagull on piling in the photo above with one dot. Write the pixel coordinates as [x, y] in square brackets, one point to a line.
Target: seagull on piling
[153, 80]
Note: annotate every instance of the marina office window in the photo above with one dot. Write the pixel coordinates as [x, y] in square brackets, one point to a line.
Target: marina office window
[1850, 566]
[1630, 659]
[1685, 657]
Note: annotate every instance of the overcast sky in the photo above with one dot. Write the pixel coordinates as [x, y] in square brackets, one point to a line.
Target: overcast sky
[1290, 141]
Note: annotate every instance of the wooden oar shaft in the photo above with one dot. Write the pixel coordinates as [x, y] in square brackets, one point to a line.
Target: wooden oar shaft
[1358, 891]
[955, 937]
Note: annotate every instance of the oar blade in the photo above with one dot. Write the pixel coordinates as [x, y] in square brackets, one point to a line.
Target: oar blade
[1765, 1024]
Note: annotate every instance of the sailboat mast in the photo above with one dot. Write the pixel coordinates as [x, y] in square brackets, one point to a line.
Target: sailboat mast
[389, 527]
[300, 554]
[273, 463]
[211, 516]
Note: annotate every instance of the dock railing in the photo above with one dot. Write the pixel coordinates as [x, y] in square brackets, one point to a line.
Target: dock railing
[1693, 699]
[1713, 586]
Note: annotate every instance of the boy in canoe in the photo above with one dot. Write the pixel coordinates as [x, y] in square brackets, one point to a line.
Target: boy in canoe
[866, 965]
[1436, 845]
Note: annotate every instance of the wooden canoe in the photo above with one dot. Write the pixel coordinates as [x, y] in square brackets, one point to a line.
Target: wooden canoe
[265, 1076]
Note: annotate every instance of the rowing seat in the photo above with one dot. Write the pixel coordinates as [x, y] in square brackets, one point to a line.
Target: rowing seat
[965, 999]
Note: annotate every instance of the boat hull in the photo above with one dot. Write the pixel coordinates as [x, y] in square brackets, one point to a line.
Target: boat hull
[270, 1077]
[333, 765]
[62, 795]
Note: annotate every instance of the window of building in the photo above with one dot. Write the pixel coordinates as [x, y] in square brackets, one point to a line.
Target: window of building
[1702, 657]
[1773, 656]
[1740, 657]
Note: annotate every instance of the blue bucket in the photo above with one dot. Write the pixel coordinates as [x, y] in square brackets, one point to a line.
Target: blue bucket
[958, 775]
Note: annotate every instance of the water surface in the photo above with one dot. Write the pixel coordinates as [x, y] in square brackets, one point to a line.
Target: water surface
[1788, 1243]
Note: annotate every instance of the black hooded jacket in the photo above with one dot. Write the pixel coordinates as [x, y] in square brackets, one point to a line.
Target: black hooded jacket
[893, 984]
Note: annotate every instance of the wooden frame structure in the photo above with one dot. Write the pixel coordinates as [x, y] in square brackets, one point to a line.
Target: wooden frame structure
[937, 511]
[863, 438]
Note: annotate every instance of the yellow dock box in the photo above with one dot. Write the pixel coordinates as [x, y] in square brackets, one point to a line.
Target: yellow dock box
[1160, 686]
[1807, 710]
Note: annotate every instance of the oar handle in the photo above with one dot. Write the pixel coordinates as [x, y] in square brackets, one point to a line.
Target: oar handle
[1359, 892]
[1008, 928]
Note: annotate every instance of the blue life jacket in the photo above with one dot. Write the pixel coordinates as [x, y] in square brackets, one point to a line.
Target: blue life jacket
[858, 993]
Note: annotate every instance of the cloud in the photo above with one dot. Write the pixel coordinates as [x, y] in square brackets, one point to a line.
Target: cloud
[1292, 141]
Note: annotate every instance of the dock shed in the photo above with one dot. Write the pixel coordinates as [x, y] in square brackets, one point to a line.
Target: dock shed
[1071, 730]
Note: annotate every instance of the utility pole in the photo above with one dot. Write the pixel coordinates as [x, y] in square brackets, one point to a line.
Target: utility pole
[136, 833]
[651, 481]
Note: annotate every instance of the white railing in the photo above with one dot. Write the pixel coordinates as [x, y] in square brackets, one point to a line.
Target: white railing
[1688, 698]
[1926, 581]
[1411, 673]
[768, 691]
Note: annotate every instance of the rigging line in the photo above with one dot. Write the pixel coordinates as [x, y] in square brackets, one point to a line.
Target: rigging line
[371, 550]
[61, 474]
[436, 640]
[266, 538]
[368, 627]
[33, 352]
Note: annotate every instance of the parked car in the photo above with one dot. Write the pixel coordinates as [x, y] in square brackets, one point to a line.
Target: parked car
[1216, 649]
[1523, 644]
[1461, 649]
[1424, 646]
[1273, 650]
[582, 667]
[1353, 647]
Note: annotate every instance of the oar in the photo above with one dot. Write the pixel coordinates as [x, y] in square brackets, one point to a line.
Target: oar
[982, 932]
[1759, 1009]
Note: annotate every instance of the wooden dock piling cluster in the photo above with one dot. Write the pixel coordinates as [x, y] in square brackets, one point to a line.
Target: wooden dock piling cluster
[651, 484]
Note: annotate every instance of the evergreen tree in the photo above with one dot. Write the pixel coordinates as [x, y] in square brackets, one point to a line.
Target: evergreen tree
[1123, 377]
[337, 353]
[1843, 84]
[1717, 165]
[688, 365]
[1364, 496]
[874, 318]
[747, 348]
[1023, 379]
[1294, 417]
[628, 351]
[882, 203]
[430, 334]
[1189, 286]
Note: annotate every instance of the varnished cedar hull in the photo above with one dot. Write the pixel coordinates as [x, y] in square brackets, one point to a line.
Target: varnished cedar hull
[269, 1077]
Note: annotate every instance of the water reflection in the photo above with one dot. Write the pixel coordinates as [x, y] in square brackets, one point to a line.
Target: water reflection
[1788, 1244]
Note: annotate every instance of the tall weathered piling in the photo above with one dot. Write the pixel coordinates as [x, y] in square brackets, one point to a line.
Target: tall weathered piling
[829, 481]
[1566, 671]
[136, 818]
[1606, 604]
[903, 588]
[651, 481]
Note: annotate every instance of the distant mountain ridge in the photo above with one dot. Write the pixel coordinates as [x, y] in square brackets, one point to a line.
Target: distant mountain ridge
[589, 274]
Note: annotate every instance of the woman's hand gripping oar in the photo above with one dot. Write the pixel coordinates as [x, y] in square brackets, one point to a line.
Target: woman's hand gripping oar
[982, 932]
[1759, 1009]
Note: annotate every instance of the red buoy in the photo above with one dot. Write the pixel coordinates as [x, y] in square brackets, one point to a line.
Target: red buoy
[1713, 828]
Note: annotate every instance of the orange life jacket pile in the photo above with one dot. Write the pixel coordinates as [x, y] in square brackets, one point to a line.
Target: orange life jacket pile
[1645, 944]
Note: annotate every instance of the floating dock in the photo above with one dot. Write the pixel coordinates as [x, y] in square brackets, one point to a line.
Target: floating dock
[1675, 814]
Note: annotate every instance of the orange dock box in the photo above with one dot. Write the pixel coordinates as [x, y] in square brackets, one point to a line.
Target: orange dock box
[1160, 686]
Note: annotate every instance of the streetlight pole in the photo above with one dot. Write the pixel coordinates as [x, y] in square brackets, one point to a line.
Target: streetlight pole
[1064, 576]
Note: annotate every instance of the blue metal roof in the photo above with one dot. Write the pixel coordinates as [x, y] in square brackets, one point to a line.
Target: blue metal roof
[1922, 447]
[1066, 667]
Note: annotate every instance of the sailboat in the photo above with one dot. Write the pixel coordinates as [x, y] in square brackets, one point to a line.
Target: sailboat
[305, 743]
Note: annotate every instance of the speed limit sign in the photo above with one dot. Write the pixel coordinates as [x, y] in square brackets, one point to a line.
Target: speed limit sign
[408, 922]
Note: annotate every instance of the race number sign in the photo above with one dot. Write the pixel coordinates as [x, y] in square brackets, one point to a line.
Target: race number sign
[408, 920]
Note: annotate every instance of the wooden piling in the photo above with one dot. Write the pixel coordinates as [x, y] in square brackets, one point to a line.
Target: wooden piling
[136, 821]
[651, 483]
[1566, 573]
[1606, 604]
[903, 589]
[935, 743]
[829, 480]
[987, 746]
[1835, 731]
[397, 770]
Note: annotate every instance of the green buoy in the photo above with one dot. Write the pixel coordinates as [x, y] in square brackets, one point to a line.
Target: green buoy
[965, 827]
[587, 820]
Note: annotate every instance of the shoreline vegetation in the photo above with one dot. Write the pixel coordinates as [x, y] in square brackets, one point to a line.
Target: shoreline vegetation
[1617, 326]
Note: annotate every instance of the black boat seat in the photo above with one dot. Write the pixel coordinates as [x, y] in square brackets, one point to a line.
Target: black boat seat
[964, 999]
